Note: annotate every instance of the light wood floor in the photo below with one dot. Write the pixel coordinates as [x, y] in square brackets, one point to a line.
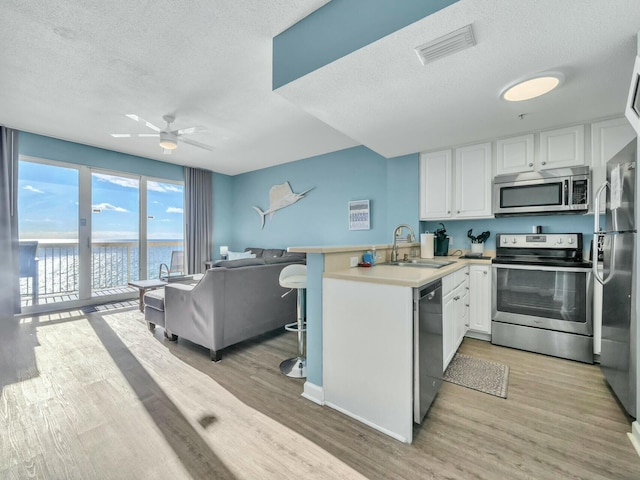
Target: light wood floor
[98, 396]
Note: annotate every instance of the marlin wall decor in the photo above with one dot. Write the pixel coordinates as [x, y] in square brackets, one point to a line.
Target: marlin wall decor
[280, 196]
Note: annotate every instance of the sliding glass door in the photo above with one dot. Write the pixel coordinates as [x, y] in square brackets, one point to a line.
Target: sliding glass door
[165, 224]
[86, 233]
[48, 225]
[115, 235]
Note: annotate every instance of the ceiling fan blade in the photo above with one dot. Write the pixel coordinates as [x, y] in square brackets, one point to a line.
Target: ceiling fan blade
[189, 131]
[136, 118]
[196, 144]
[121, 135]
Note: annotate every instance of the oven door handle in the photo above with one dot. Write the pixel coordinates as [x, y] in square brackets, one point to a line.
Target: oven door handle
[596, 231]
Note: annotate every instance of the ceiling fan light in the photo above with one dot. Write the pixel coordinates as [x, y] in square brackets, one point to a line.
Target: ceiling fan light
[532, 87]
[167, 142]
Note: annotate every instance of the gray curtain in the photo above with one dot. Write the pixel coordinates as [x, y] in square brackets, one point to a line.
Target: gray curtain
[198, 192]
[9, 279]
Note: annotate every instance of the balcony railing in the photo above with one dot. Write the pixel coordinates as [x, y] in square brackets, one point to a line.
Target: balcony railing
[113, 264]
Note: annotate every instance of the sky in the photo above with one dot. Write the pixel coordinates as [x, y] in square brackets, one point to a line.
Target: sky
[48, 205]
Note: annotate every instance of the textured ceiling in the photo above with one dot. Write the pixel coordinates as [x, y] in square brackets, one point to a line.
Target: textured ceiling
[73, 69]
[383, 97]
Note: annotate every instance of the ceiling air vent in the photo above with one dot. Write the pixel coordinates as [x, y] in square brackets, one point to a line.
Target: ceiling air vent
[446, 45]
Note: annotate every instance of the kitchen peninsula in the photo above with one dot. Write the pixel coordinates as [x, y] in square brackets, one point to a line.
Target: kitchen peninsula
[367, 330]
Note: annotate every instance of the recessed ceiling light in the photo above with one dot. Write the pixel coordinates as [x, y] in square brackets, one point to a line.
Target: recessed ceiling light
[532, 87]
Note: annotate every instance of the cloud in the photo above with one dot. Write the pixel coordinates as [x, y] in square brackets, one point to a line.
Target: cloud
[174, 210]
[108, 206]
[121, 181]
[32, 189]
[163, 187]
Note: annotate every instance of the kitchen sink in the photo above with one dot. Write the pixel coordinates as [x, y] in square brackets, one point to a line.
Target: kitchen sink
[421, 262]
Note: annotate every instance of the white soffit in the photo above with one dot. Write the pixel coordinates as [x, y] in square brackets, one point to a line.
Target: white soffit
[387, 100]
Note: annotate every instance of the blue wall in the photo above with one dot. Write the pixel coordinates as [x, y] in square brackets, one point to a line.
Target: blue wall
[63, 151]
[321, 217]
[222, 213]
[550, 224]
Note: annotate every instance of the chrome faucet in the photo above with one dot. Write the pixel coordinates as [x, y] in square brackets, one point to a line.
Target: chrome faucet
[396, 233]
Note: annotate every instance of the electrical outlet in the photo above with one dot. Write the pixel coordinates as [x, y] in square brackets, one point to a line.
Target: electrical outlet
[450, 240]
[353, 261]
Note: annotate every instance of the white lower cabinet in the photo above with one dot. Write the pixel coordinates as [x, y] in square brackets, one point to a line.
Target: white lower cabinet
[455, 313]
[480, 300]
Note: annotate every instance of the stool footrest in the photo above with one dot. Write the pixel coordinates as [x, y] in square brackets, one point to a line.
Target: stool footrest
[293, 327]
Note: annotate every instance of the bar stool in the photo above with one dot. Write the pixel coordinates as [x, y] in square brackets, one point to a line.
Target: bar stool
[295, 276]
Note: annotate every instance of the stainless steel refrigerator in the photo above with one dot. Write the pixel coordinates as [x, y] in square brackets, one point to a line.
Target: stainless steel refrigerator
[618, 356]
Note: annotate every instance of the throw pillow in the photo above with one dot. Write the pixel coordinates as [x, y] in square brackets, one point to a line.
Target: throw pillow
[239, 255]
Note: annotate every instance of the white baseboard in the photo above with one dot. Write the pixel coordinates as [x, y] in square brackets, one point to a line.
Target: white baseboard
[314, 393]
[403, 438]
[478, 335]
[634, 436]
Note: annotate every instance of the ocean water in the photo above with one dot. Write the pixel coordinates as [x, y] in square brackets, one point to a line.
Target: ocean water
[113, 264]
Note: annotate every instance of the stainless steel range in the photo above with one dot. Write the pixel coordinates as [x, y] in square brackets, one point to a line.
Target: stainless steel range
[542, 295]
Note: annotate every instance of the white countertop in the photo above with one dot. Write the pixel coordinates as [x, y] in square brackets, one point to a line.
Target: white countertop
[406, 276]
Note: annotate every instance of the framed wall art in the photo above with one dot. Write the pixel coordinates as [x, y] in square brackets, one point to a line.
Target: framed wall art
[359, 215]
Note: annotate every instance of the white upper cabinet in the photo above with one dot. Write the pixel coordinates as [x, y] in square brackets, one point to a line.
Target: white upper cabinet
[473, 181]
[468, 196]
[515, 155]
[435, 185]
[563, 147]
[607, 139]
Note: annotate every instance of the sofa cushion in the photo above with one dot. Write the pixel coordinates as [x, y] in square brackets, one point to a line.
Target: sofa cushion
[272, 252]
[257, 251]
[239, 255]
[241, 262]
[155, 299]
[295, 256]
[291, 259]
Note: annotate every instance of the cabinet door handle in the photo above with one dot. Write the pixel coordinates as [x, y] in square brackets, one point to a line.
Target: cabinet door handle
[531, 164]
[484, 272]
[544, 163]
[456, 298]
[458, 211]
[448, 212]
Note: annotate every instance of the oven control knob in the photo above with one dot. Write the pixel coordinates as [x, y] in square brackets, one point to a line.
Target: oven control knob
[570, 241]
[560, 241]
[513, 240]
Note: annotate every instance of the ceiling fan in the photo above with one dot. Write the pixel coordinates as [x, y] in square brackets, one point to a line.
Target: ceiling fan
[168, 138]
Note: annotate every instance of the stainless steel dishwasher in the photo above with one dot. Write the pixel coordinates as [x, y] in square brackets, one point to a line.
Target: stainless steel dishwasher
[427, 347]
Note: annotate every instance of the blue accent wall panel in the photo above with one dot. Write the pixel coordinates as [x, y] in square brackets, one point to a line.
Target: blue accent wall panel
[321, 217]
[315, 269]
[63, 151]
[339, 28]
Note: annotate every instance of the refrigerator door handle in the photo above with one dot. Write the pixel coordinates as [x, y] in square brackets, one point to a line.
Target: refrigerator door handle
[596, 208]
[596, 231]
[612, 268]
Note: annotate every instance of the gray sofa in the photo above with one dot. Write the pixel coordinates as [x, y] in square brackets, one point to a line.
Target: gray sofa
[234, 301]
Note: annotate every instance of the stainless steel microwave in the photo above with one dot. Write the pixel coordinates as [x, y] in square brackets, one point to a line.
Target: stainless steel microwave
[558, 190]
